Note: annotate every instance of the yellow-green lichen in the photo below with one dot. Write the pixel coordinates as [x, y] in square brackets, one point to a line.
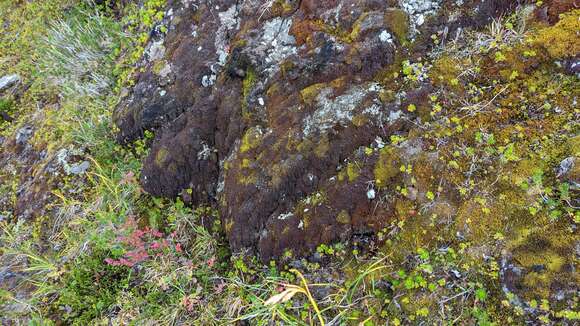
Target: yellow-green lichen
[322, 147]
[544, 254]
[398, 24]
[251, 139]
[309, 94]
[161, 156]
[343, 217]
[158, 66]
[561, 40]
[352, 171]
[247, 84]
[360, 120]
[386, 168]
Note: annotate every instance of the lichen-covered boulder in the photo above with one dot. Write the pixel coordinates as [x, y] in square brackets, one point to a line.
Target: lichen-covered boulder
[265, 111]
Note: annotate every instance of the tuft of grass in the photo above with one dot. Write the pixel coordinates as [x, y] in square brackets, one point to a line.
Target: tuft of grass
[79, 51]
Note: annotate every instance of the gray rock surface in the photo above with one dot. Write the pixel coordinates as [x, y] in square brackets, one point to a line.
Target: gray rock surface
[8, 81]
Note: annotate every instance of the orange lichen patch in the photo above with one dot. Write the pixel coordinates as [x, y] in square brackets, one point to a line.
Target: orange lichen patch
[302, 30]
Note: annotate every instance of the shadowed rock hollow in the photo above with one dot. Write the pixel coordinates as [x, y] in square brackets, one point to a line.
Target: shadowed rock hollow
[264, 112]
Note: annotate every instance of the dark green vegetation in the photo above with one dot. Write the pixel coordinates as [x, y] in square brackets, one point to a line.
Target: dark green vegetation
[500, 119]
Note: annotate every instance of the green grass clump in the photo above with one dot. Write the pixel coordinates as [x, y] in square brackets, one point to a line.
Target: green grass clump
[90, 289]
[6, 110]
[79, 53]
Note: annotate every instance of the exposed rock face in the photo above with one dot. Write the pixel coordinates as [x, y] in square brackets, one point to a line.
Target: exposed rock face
[554, 8]
[38, 174]
[258, 110]
[8, 81]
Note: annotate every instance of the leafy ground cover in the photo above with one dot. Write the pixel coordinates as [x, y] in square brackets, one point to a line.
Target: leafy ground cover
[501, 119]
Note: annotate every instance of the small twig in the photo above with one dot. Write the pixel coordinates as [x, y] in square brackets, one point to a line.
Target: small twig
[455, 296]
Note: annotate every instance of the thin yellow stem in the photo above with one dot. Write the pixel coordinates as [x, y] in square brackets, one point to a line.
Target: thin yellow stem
[309, 295]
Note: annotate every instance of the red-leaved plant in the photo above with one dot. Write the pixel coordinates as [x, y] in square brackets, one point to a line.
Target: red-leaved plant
[142, 244]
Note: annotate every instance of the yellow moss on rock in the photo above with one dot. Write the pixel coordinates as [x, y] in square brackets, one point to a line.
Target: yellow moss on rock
[444, 71]
[310, 93]
[415, 232]
[245, 163]
[356, 28]
[161, 156]
[251, 139]
[247, 177]
[425, 172]
[398, 23]
[386, 167]
[247, 84]
[228, 225]
[343, 217]
[561, 40]
[322, 147]
[574, 144]
[544, 252]
[481, 218]
[281, 8]
[278, 172]
[158, 66]
[352, 171]
[360, 120]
